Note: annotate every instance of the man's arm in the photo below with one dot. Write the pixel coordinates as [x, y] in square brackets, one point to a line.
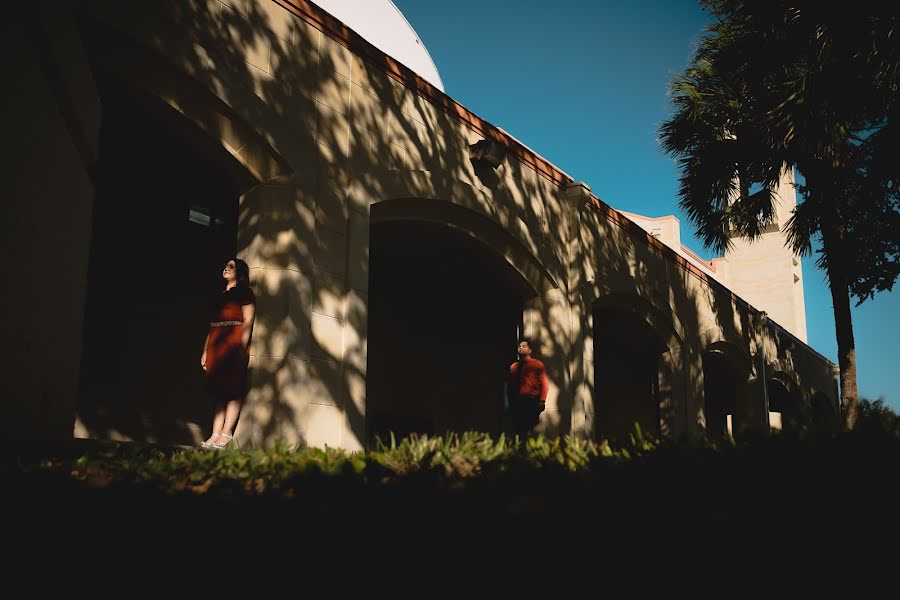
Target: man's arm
[545, 384]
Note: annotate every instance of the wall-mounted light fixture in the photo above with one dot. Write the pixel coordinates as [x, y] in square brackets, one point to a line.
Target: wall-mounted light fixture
[489, 151]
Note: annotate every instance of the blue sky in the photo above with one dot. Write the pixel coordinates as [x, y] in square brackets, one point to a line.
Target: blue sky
[584, 84]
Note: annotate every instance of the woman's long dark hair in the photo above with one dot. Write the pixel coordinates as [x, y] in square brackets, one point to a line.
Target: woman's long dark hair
[242, 271]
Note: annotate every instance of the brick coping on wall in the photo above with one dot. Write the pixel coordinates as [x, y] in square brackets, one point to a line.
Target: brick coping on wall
[336, 30]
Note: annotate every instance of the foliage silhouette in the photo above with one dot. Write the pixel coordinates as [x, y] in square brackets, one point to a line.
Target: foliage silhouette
[805, 86]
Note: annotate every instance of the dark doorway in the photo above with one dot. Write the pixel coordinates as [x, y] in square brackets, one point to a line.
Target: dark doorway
[784, 399]
[821, 411]
[626, 375]
[720, 394]
[444, 315]
[164, 222]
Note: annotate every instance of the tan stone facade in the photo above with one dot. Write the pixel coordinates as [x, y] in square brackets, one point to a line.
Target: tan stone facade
[768, 274]
[765, 272]
[393, 273]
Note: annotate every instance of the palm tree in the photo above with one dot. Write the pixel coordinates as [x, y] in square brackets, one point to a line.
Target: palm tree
[801, 85]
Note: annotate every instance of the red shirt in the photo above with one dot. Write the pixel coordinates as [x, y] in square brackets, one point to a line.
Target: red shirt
[533, 380]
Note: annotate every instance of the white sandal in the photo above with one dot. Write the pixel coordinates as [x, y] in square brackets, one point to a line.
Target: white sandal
[208, 444]
[220, 445]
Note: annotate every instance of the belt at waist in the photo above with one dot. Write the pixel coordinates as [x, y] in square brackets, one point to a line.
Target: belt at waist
[225, 323]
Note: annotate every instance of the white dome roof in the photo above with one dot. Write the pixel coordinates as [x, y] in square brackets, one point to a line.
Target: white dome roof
[384, 26]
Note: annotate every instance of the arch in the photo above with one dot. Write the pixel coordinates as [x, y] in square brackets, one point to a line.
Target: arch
[178, 221]
[635, 366]
[442, 320]
[823, 410]
[785, 380]
[663, 323]
[173, 93]
[726, 370]
[533, 279]
[785, 401]
[737, 359]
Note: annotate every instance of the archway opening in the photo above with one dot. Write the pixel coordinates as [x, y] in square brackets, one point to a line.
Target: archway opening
[785, 405]
[719, 393]
[164, 222]
[627, 361]
[822, 411]
[444, 314]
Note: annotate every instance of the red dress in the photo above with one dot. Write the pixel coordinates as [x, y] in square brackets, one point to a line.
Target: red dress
[226, 360]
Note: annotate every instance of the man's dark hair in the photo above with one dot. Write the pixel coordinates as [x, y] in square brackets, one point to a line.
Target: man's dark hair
[527, 341]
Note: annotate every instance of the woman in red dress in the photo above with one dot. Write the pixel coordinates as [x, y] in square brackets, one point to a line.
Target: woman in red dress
[226, 353]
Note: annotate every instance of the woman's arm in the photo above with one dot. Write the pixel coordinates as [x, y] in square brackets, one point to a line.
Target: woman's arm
[203, 356]
[249, 313]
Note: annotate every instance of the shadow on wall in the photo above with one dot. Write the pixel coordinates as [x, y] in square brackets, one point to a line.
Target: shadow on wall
[661, 323]
[288, 83]
[348, 136]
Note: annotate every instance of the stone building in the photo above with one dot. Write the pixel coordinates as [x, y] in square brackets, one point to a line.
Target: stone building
[398, 245]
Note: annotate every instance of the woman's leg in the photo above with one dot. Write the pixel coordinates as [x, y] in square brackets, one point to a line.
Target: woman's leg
[218, 421]
[232, 412]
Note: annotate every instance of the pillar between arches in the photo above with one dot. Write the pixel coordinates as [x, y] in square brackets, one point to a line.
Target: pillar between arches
[308, 358]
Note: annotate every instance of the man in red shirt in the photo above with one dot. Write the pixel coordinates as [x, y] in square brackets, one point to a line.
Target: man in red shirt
[526, 389]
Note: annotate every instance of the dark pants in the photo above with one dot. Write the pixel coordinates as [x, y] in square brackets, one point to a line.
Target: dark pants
[525, 411]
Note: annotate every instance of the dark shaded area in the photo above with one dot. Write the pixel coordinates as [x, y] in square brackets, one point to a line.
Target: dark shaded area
[719, 392]
[444, 315]
[822, 412]
[774, 494]
[626, 372]
[164, 223]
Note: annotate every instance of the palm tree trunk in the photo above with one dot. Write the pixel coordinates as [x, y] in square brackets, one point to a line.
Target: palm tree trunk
[833, 246]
